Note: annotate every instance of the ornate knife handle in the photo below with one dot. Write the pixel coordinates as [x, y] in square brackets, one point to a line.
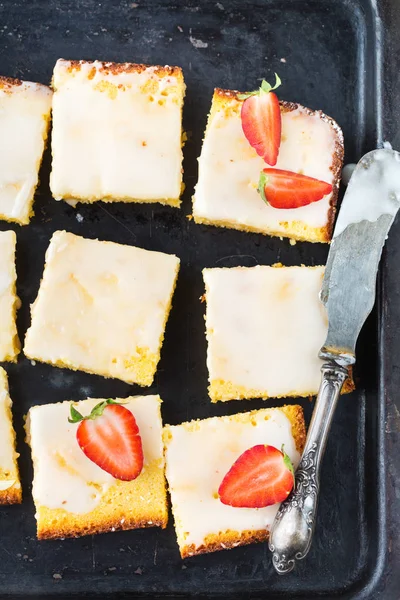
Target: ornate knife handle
[293, 528]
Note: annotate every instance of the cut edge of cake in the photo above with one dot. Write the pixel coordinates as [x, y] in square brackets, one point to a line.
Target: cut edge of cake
[12, 494]
[58, 523]
[225, 391]
[16, 344]
[231, 538]
[8, 83]
[299, 231]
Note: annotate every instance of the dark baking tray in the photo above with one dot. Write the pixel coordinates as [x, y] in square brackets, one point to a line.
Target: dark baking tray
[330, 56]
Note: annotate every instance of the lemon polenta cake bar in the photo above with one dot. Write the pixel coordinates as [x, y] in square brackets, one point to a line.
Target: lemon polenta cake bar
[9, 302]
[117, 132]
[268, 166]
[10, 486]
[264, 327]
[102, 308]
[98, 466]
[24, 122]
[215, 502]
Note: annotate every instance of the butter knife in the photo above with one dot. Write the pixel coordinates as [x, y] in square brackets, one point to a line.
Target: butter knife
[367, 212]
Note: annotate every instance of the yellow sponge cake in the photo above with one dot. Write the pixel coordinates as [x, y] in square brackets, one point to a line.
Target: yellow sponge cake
[200, 453]
[9, 302]
[75, 496]
[229, 171]
[102, 308]
[117, 132]
[10, 486]
[24, 122]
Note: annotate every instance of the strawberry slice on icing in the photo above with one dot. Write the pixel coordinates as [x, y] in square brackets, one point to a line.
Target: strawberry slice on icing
[286, 189]
[110, 438]
[262, 121]
[261, 476]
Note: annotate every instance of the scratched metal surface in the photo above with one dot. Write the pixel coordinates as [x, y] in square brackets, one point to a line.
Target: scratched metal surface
[320, 49]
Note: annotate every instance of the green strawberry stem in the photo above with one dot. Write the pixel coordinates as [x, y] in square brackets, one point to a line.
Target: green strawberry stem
[262, 182]
[265, 88]
[288, 462]
[97, 411]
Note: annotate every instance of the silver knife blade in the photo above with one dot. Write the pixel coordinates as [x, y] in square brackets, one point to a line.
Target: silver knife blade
[368, 209]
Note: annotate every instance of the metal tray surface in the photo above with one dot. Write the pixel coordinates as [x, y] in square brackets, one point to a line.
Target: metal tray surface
[329, 56]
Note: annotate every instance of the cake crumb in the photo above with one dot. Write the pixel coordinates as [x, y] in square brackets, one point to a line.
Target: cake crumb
[197, 43]
[138, 571]
[33, 363]
[292, 242]
[79, 217]
[180, 28]
[283, 60]
[57, 576]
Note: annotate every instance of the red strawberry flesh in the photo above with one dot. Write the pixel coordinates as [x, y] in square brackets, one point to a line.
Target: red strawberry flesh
[112, 441]
[286, 189]
[262, 124]
[260, 477]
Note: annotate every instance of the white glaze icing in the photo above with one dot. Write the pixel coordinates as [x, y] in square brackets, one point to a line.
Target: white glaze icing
[265, 326]
[8, 276]
[373, 190]
[24, 110]
[112, 137]
[198, 460]
[6, 484]
[7, 451]
[100, 304]
[63, 476]
[229, 170]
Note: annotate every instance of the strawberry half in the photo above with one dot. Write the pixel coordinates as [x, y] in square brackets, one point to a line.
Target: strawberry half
[261, 476]
[262, 121]
[109, 437]
[285, 189]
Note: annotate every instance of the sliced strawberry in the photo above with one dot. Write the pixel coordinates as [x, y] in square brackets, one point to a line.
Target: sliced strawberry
[261, 476]
[262, 121]
[285, 189]
[109, 437]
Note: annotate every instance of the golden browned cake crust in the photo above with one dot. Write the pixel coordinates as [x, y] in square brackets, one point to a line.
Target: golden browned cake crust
[131, 509]
[9, 471]
[113, 68]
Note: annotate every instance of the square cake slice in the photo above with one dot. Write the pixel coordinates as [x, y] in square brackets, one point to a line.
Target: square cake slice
[229, 171]
[102, 308]
[117, 132]
[198, 456]
[24, 122]
[10, 486]
[264, 327]
[9, 301]
[73, 495]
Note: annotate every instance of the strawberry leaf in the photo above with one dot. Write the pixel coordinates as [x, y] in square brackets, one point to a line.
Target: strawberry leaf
[266, 87]
[262, 182]
[246, 95]
[76, 416]
[287, 462]
[96, 411]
